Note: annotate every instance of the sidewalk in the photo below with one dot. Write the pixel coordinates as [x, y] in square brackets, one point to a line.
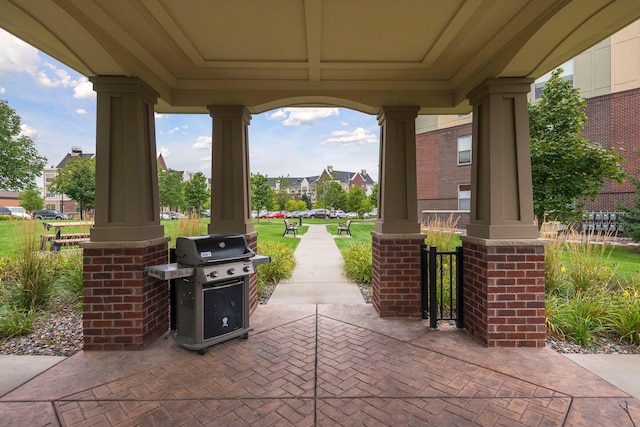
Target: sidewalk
[318, 276]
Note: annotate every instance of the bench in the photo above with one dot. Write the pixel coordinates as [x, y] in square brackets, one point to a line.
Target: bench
[68, 240]
[288, 227]
[346, 227]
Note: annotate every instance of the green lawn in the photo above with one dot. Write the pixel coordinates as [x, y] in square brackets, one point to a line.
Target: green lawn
[14, 232]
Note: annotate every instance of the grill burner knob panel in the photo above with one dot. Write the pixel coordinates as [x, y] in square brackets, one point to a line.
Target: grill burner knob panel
[231, 271]
[214, 274]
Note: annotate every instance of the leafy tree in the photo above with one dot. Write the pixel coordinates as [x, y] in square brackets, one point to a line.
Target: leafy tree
[20, 162]
[77, 180]
[170, 189]
[373, 197]
[631, 218]
[307, 202]
[30, 199]
[335, 196]
[295, 205]
[566, 168]
[281, 199]
[262, 196]
[355, 199]
[196, 192]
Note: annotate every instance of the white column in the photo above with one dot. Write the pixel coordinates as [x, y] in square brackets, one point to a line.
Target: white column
[127, 207]
[397, 188]
[501, 186]
[230, 173]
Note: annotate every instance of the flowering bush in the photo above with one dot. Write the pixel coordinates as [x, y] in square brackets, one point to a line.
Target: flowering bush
[357, 263]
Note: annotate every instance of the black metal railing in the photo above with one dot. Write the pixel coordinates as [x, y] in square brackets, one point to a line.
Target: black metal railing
[441, 285]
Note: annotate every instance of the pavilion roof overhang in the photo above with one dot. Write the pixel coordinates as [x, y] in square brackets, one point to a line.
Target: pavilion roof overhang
[361, 54]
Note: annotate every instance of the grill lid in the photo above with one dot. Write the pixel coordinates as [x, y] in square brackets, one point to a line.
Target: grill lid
[209, 249]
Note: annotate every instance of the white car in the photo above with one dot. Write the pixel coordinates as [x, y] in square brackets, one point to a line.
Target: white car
[19, 212]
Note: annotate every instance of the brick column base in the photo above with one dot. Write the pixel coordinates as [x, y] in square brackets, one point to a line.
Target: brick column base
[123, 308]
[504, 291]
[252, 241]
[396, 274]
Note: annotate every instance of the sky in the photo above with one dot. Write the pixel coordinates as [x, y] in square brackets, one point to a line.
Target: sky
[57, 107]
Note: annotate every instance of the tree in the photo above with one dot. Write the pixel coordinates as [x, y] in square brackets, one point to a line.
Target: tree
[355, 199]
[335, 196]
[566, 168]
[20, 162]
[630, 220]
[30, 199]
[170, 189]
[261, 194]
[196, 192]
[295, 205]
[78, 181]
[373, 197]
[281, 199]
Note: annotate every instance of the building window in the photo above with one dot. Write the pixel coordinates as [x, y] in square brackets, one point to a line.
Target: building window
[464, 150]
[464, 197]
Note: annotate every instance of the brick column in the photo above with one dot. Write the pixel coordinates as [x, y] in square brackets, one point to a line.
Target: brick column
[396, 274]
[123, 308]
[504, 291]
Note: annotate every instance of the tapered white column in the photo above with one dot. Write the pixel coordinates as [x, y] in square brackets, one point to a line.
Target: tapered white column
[397, 192]
[126, 204]
[230, 173]
[501, 185]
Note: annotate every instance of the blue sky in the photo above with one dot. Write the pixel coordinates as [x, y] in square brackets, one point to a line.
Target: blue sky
[58, 108]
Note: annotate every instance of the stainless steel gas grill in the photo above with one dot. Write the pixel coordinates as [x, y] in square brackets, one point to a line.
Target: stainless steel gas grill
[211, 280]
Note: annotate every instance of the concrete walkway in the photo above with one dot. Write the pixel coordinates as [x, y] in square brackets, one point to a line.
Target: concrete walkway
[318, 276]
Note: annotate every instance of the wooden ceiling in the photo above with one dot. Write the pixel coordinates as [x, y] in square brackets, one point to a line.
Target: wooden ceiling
[361, 54]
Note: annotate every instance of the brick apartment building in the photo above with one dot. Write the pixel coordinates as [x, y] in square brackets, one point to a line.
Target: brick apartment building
[607, 75]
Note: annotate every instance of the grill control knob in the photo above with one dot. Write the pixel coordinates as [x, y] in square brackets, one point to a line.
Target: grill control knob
[231, 271]
[213, 274]
[246, 268]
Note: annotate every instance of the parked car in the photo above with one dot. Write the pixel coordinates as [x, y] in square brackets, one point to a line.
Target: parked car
[263, 214]
[351, 215]
[48, 214]
[372, 214]
[317, 213]
[277, 214]
[338, 213]
[177, 215]
[18, 211]
[206, 213]
[294, 214]
[5, 211]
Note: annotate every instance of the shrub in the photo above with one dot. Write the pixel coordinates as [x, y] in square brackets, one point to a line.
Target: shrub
[16, 322]
[357, 263]
[587, 260]
[441, 234]
[30, 283]
[281, 265]
[70, 285]
[625, 315]
[579, 318]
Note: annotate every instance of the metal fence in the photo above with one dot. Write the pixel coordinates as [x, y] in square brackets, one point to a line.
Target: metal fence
[442, 280]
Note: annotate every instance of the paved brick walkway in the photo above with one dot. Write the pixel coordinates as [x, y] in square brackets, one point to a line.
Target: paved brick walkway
[322, 365]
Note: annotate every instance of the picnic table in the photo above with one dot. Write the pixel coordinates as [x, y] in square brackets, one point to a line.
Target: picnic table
[59, 239]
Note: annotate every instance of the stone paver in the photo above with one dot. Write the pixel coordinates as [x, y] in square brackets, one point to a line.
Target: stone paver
[303, 368]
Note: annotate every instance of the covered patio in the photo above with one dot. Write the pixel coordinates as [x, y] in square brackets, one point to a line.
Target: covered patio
[392, 59]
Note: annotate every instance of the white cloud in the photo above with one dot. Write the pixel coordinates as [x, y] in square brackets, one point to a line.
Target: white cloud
[81, 111]
[165, 152]
[17, 56]
[26, 130]
[84, 89]
[2, 90]
[202, 143]
[160, 116]
[302, 116]
[356, 137]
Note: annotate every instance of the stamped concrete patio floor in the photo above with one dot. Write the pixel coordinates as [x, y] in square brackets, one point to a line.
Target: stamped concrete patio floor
[324, 365]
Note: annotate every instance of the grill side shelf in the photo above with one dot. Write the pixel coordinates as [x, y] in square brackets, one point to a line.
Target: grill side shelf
[169, 271]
